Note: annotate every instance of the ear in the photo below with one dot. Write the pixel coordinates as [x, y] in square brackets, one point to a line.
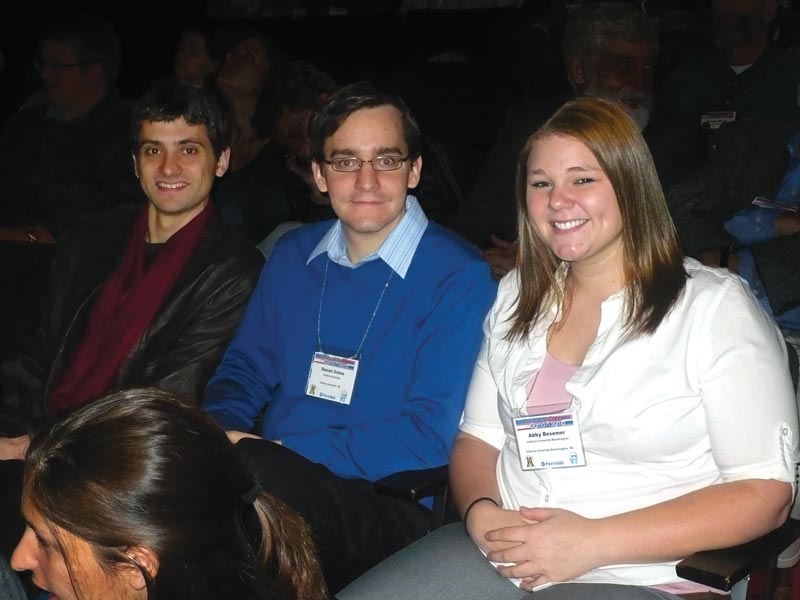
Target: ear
[222, 162]
[576, 72]
[135, 166]
[146, 560]
[415, 172]
[319, 178]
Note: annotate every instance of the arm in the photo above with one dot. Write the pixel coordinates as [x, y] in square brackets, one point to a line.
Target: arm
[196, 348]
[776, 268]
[473, 462]
[472, 475]
[560, 545]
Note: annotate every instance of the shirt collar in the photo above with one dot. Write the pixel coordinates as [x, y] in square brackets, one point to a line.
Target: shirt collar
[397, 250]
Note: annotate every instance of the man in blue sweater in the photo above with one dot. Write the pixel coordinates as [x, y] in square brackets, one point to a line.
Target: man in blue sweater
[358, 343]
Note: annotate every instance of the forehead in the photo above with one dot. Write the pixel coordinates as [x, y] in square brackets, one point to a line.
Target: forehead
[369, 129]
[556, 152]
[737, 6]
[192, 40]
[252, 44]
[173, 132]
[635, 50]
[59, 51]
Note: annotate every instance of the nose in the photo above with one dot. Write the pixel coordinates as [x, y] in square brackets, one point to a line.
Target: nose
[367, 178]
[559, 199]
[24, 556]
[170, 165]
[640, 77]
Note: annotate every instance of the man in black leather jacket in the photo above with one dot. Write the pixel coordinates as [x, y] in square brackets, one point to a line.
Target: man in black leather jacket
[181, 143]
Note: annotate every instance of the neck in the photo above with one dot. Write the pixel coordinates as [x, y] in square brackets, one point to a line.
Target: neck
[162, 226]
[748, 53]
[83, 105]
[601, 278]
[360, 245]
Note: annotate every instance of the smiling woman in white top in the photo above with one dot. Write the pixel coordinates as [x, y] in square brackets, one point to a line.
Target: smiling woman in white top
[604, 432]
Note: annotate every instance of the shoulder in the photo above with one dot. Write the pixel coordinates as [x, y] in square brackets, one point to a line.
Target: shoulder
[709, 288]
[222, 243]
[94, 227]
[300, 241]
[449, 249]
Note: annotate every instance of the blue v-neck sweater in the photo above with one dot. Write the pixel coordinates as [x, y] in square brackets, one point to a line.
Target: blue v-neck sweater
[415, 363]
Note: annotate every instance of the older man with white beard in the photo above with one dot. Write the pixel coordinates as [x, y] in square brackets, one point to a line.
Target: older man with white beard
[610, 50]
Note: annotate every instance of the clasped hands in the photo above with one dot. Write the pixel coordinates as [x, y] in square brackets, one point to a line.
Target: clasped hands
[536, 545]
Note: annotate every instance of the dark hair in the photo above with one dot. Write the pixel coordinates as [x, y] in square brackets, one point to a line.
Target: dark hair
[91, 39]
[588, 29]
[138, 468]
[653, 264]
[295, 85]
[327, 119]
[169, 99]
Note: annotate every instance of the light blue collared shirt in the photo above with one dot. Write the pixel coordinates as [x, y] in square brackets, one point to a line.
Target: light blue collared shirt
[397, 250]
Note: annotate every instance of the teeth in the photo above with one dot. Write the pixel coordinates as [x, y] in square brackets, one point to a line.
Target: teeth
[564, 225]
[171, 186]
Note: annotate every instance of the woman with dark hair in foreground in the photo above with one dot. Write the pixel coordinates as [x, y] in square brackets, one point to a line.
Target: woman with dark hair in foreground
[138, 496]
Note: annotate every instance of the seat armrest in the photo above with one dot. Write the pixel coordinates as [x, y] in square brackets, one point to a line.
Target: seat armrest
[723, 568]
[414, 485]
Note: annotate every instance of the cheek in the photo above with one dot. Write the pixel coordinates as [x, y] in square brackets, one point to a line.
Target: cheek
[536, 207]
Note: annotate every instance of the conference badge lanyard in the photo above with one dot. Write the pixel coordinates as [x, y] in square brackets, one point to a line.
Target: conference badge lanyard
[548, 435]
[333, 377]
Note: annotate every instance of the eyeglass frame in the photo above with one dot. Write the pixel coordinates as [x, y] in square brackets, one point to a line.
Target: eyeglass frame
[361, 162]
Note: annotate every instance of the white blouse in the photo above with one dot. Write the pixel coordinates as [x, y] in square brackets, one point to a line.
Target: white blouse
[705, 399]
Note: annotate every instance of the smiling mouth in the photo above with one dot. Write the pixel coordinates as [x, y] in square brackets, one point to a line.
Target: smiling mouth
[171, 186]
[567, 225]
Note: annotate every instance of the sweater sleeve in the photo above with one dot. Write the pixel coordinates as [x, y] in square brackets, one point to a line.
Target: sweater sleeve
[421, 434]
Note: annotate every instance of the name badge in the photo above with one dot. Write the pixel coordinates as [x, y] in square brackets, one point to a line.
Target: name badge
[549, 441]
[332, 377]
[714, 119]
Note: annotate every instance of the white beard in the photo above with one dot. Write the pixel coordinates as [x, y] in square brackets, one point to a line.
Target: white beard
[644, 101]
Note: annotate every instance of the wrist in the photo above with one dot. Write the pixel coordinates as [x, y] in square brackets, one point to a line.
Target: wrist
[476, 502]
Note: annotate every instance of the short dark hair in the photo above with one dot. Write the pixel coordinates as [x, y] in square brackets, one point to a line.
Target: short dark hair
[91, 39]
[588, 28]
[169, 99]
[327, 119]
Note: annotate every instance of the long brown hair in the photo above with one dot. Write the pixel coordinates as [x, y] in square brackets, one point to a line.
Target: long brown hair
[653, 264]
[138, 468]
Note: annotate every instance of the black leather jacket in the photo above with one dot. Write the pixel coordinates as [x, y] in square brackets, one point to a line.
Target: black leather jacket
[183, 344]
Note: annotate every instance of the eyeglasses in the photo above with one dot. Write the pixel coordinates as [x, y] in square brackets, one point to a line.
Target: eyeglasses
[351, 164]
[41, 64]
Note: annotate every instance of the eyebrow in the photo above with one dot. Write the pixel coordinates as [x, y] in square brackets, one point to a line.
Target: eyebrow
[577, 168]
[378, 152]
[183, 142]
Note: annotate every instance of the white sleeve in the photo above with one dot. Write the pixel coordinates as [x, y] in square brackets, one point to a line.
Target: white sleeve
[749, 401]
[481, 415]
